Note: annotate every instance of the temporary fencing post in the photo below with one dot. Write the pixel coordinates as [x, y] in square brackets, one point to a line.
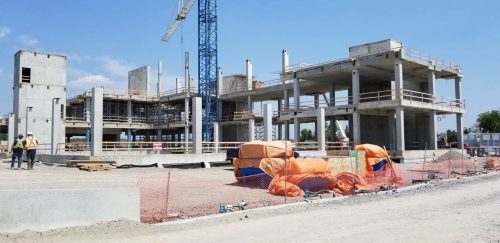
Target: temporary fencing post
[423, 163]
[286, 170]
[168, 192]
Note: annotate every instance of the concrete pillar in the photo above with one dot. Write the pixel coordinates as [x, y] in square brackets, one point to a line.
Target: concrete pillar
[11, 136]
[393, 90]
[356, 128]
[431, 82]
[458, 90]
[280, 126]
[251, 121]
[129, 111]
[197, 125]
[398, 78]
[355, 86]
[333, 126]
[286, 99]
[296, 127]
[316, 101]
[287, 130]
[158, 135]
[432, 131]
[249, 73]
[284, 60]
[400, 129]
[96, 125]
[186, 122]
[160, 74]
[331, 102]
[216, 137]
[268, 122]
[296, 94]
[320, 133]
[391, 122]
[55, 128]
[460, 132]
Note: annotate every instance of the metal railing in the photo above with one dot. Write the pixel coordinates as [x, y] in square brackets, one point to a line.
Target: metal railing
[142, 147]
[220, 146]
[182, 90]
[256, 86]
[428, 59]
[128, 94]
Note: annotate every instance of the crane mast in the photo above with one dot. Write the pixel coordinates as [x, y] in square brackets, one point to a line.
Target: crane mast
[208, 66]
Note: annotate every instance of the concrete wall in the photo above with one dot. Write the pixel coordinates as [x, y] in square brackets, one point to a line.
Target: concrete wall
[139, 79]
[44, 209]
[151, 158]
[375, 130]
[47, 82]
[374, 47]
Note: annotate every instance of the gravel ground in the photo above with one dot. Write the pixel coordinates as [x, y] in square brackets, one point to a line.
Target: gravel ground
[459, 210]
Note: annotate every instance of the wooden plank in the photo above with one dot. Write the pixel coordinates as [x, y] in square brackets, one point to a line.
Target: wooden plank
[73, 163]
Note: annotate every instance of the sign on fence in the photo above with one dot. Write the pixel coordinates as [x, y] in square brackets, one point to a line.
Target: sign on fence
[157, 146]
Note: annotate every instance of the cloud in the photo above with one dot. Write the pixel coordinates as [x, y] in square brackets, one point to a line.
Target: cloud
[4, 31]
[91, 80]
[28, 40]
[115, 67]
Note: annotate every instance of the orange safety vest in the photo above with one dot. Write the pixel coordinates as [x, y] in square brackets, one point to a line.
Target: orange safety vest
[31, 143]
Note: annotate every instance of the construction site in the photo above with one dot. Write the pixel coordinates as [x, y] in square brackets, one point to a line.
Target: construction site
[228, 148]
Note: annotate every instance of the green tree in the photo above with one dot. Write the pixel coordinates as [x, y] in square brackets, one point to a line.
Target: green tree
[451, 136]
[489, 121]
[306, 134]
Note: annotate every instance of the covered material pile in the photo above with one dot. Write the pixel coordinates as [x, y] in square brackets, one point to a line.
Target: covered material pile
[492, 164]
[291, 176]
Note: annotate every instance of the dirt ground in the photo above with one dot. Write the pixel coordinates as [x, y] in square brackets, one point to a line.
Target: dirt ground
[460, 210]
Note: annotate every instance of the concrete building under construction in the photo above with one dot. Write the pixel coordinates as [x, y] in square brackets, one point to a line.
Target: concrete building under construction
[384, 91]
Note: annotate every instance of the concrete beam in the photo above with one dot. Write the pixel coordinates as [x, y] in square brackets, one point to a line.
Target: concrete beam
[320, 132]
[197, 126]
[96, 124]
[400, 129]
[268, 122]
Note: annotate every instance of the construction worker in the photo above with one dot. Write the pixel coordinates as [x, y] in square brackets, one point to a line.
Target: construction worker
[17, 152]
[30, 145]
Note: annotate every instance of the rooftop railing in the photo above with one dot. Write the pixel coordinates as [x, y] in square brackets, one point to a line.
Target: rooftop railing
[428, 59]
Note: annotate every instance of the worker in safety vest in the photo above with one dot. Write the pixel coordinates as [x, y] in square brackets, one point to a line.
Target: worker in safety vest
[30, 144]
[17, 152]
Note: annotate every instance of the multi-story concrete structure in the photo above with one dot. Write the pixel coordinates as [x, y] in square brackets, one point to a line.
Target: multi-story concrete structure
[40, 97]
[384, 91]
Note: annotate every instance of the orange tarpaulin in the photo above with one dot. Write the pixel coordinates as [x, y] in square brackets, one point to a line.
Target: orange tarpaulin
[259, 150]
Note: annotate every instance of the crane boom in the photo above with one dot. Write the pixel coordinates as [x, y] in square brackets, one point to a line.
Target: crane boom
[181, 16]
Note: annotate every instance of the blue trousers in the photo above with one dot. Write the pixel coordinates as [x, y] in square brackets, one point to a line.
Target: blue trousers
[19, 155]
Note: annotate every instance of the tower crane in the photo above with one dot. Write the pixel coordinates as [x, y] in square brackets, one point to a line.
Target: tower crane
[208, 67]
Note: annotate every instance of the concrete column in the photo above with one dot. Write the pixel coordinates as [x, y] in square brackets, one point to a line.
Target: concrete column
[400, 129]
[251, 121]
[286, 99]
[160, 74]
[296, 133]
[129, 111]
[458, 90]
[393, 90]
[158, 135]
[316, 101]
[284, 60]
[280, 126]
[11, 136]
[96, 125]
[56, 120]
[331, 102]
[296, 94]
[320, 133]
[392, 131]
[356, 128]
[88, 108]
[398, 78]
[432, 131]
[287, 130]
[197, 125]
[431, 82]
[186, 122]
[355, 86]
[216, 137]
[249, 73]
[268, 122]
[460, 132]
